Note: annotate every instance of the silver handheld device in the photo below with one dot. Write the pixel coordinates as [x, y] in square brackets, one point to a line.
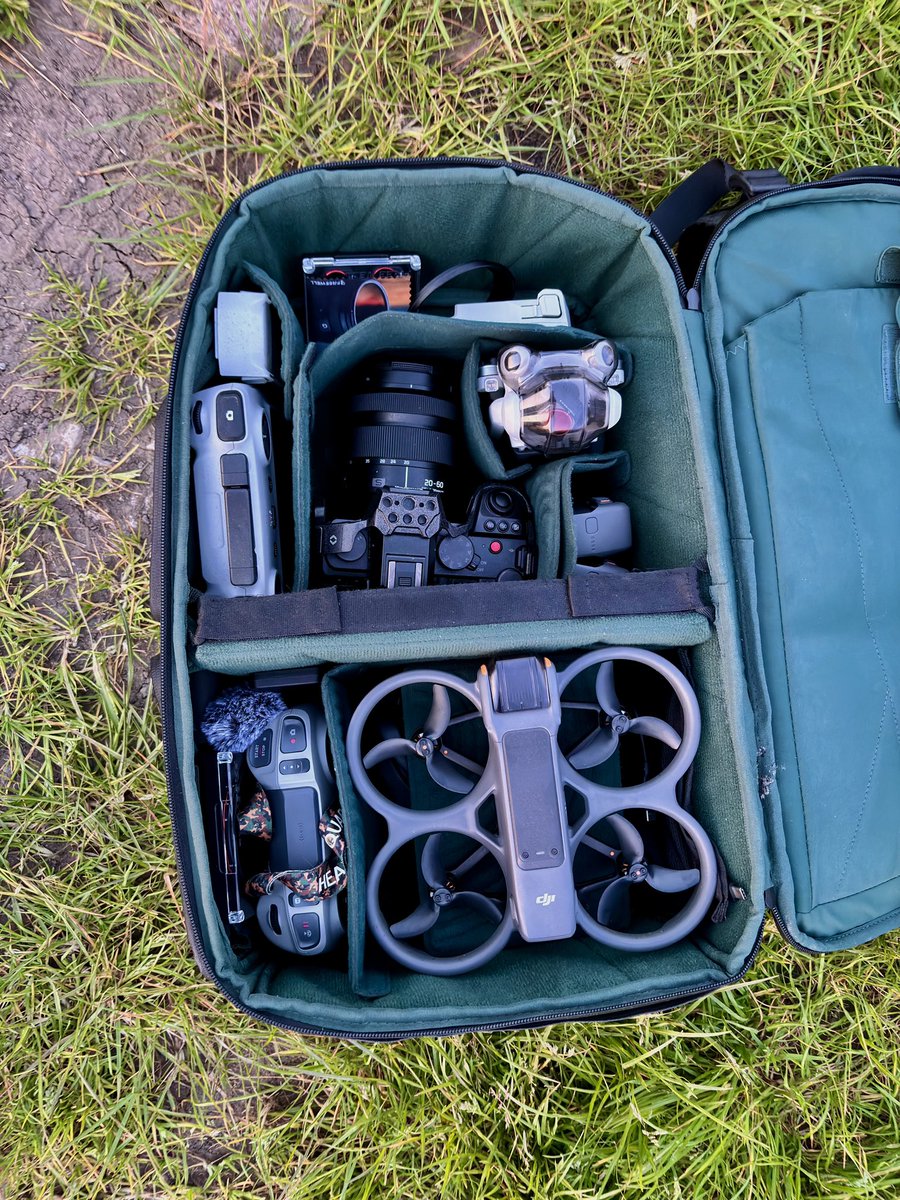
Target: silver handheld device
[234, 490]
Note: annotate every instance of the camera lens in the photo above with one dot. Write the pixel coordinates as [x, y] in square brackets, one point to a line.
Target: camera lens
[403, 427]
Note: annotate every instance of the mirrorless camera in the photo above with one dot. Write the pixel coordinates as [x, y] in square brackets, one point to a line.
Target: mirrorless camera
[402, 447]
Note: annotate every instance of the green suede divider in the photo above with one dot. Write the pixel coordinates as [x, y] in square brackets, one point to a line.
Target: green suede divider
[795, 326]
[550, 490]
[552, 233]
[304, 412]
[292, 339]
[241, 658]
[360, 830]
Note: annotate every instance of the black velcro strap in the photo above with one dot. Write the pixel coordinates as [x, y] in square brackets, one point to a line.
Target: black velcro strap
[328, 611]
[637, 593]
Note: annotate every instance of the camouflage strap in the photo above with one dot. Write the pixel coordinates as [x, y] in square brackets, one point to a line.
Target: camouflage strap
[318, 883]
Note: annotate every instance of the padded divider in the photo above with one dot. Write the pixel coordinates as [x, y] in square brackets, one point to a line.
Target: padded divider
[361, 832]
[292, 340]
[301, 459]
[458, 341]
[550, 489]
[661, 629]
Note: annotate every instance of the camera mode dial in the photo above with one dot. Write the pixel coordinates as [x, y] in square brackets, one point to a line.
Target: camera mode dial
[456, 553]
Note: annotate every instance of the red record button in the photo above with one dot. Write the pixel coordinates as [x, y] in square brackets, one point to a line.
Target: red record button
[495, 547]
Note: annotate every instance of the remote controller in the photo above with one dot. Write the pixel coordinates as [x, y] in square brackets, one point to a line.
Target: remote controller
[288, 761]
[234, 490]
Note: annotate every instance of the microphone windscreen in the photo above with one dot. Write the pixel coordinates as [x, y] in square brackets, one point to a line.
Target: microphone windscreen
[234, 720]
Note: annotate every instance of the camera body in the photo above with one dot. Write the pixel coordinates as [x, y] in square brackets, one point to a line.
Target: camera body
[407, 540]
[288, 761]
[402, 424]
[234, 487]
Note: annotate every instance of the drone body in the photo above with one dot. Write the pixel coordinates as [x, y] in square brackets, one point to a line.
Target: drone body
[521, 714]
[533, 839]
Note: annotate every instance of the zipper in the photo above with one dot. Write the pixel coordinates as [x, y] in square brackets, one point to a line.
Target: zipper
[173, 782]
[781, 925]
[692, 295]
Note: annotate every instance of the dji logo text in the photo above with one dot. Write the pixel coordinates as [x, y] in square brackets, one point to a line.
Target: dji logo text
[546, 899]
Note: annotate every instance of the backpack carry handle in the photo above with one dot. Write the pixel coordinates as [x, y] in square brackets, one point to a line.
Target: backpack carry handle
[709, 184]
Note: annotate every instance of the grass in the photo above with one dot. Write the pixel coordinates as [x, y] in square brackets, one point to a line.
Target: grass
[124, 1073]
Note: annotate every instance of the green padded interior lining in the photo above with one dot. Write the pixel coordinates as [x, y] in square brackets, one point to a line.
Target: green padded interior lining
[809, 434]
[550, 490]
[619, 283]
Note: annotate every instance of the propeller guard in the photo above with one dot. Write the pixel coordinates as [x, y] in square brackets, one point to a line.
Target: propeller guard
[519, 702]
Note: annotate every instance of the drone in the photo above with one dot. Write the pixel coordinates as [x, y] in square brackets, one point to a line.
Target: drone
[530, 809]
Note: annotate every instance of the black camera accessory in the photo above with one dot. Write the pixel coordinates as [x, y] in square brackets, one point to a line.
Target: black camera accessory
[547, 308]
[234, 491]
[554, 401]
[243, 336]
[402, 445]
[603, 529]
[288, 761]
[525, 781]
[341, 292]
[230, 723]
[503, 282]
[227, 835]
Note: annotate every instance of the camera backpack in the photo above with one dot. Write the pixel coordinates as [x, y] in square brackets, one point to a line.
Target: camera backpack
[757, 454]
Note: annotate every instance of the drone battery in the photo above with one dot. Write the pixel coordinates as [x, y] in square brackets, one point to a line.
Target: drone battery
[243, 336]
[547, 308]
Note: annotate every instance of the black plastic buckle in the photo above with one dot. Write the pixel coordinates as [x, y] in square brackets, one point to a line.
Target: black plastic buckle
[754, 184]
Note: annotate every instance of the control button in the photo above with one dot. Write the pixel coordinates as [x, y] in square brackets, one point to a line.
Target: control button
[515, 527]
[196, 417]
[495, 547]
[455, 553]
[503, 527]
[261, 750]
[307, 931]
[230, 416]
[293, 736]
[235, 472]
[508, 575]
[266, 441]
[501, 501]
[293, 766]
[490, 526]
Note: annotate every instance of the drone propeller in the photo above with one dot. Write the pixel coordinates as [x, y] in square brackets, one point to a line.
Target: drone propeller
[442, 892]
[614, 908]
[439, 760]
[600, 745]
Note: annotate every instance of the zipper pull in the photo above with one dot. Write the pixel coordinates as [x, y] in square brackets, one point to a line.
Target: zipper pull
[692, 300]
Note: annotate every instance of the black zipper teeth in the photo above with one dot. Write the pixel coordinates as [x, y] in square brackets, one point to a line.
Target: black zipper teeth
[173, 782]
[782, 928]
[741, 209]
